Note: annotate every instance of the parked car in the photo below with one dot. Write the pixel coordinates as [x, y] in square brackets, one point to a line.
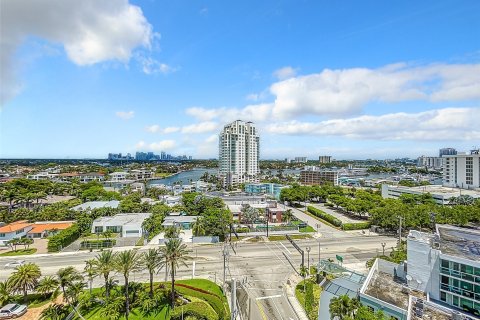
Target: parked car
[13, 310]
[15, 264]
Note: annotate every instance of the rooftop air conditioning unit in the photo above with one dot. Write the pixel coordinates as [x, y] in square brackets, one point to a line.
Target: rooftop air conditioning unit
[457, 316]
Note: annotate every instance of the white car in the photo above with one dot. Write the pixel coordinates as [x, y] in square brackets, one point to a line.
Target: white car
[13, 310]
[15, 264]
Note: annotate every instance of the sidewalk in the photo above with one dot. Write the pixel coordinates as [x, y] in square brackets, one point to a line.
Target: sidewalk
[292, 282]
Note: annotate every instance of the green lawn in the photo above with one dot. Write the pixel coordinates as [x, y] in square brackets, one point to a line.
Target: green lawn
[135, 314]
[293, 236]
[307, 229]
[19, 252]
[203, 284]
[300, 295]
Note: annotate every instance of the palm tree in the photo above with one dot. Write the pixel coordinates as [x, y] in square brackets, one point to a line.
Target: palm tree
[55, 312]
[26, 242]
[5, 293]
[103, 265]
[90, 272]
[288, 215]
[198, 227]
[68, 277]
[126, 262]
[24, 278]
[173, 254]
[151, 260]
[341, 307]
[47, 285]
[9, 194]
[73, 291]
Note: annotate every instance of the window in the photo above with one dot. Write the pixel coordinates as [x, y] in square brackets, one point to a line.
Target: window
[445, 264]
[443, 296]
[98, 229]
[19, 231]
[2, 235]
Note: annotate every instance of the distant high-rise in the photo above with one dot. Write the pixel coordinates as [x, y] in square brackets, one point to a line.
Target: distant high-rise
[239, 151]
[462, 170]
[447, 152]
[325, 159]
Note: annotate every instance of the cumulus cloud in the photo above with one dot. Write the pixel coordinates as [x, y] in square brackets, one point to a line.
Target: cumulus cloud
[157, 129]
[90, 31]
[156, 146]
[285, 73]
[440, 124]
[152, 66]
[347, 91]
[202, 127]
[254, 112]
[125, 115]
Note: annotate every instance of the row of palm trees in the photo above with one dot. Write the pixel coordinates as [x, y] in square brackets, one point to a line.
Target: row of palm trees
[27, 278]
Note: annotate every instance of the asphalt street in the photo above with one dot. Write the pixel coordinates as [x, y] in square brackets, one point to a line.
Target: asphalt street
[261, 268]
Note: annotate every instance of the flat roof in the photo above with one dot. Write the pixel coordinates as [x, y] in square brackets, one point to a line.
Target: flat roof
[180, 219]
[462, 242]
[438, 190]
[123, 219]
[420, 309]
[97, 204]
[383, 286]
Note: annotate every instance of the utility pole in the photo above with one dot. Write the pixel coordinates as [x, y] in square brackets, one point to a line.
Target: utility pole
[225, 254]
[319, 250]
[400, 232]
[308, 259]
[234, 298]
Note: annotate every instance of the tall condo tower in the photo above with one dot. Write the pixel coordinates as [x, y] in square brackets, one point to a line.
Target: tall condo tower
[239, 151]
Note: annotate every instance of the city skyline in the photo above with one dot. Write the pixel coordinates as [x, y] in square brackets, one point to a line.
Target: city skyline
[350, 80]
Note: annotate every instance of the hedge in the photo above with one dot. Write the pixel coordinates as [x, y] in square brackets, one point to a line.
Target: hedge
[325, 216]
[198, 310]
[215, 301]
[242, 230]
[63, 238]
[356, 226]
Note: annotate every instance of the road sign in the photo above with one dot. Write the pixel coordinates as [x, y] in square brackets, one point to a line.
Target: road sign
[339, 258]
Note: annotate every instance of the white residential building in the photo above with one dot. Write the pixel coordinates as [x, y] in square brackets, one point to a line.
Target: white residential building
[430, 162]
[325, 159]
[462, 170]
[127, 224]
[118, 176]
[239, 151]
[18, 229]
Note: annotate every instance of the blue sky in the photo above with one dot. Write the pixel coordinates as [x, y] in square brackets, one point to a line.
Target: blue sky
[351, 79]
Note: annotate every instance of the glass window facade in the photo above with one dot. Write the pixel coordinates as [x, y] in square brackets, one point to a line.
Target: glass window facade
[460, 286]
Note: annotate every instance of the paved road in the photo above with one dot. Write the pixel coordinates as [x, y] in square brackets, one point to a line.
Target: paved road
[262, 268]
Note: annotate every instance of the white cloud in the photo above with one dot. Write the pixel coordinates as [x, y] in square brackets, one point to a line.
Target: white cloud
[252, 96]
[153, 128]
[125, 115]
[254, 112]
[440, 124]
[202, 127]
[171, 129]
[347, 91]
[156, 146]
[152, 66]
[90, 31]
[285, 73]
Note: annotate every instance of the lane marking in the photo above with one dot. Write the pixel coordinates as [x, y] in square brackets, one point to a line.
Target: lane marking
[285, 248]
[269, 297]
[262, 312]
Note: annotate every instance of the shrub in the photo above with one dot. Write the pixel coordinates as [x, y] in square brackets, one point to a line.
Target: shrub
[63, 238]
[214, 300]
[325, 216]
[198, 310]
[356, 226]
[242, 230]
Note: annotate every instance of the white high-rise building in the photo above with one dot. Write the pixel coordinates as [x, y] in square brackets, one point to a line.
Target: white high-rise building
[239, 152]
[462, 170]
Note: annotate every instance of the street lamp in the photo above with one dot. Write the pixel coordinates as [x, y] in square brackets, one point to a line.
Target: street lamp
[319, 250]
[308, 258]
[383, 248]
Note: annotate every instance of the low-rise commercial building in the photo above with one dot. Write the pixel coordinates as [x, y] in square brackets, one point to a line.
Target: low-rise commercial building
[126, 224]
[441, 195]
[273, 189]
[462, 170]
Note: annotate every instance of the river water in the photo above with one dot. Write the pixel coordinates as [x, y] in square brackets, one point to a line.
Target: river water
[184, 177]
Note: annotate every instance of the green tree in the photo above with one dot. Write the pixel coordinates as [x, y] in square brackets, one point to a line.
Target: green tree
[24, 278]
[90, 272]
[151, 260]
[103, 264]
[341, 307]
[288, 215]
[174, 254]
[68, 277]
[127, 262]
[5, 293]
[55, 312]
[47, 285]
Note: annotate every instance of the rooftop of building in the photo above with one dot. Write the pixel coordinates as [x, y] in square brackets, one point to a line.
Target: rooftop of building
[462, 242]
[97, 204]
[40, 227]
[384, 285]
[420, 309]
[15, 226]
[123, 219]
[179, 219]
[439, 190]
